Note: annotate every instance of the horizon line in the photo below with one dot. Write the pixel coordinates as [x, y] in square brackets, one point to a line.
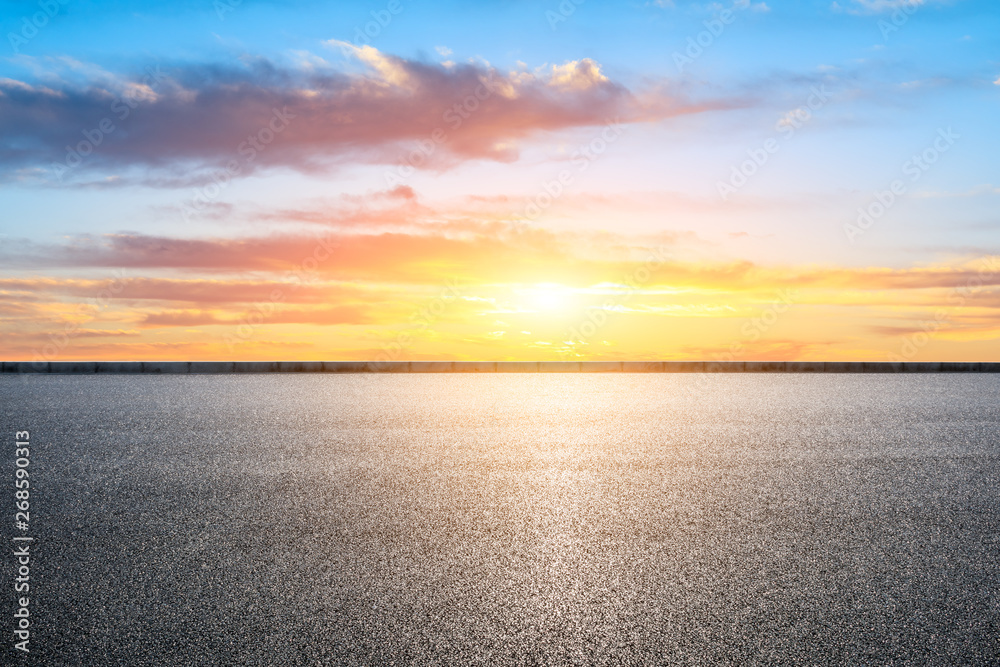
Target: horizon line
[373, 366]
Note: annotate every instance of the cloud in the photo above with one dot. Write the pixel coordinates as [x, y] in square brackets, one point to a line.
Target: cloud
[370, 285]
[955, 328]
[222, 293]
[477, 252]
[762, 350]
[752, 6]
[77, 333]
[344, 314]
[975, 191]
[879, 6]
[385, 256]
[577, 75]
[182, 318]
[373, 108]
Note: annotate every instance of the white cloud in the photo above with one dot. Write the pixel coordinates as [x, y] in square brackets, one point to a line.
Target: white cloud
[876, 6]
[443, 50]
[388, 68]
[794, 118]
[977, 191]
[577, 75]
[752, 6]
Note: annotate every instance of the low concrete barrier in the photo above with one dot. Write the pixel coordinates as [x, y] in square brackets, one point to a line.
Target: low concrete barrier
[725, 366]
[517, 367]
[171, 367]
[300, 367]
[78, 367]
[843, 367]
[27, 367]
[764, 367]
[225, 367]
[345, 367]
[115, 367]
[257, 367]
[561, 367]
[603, 366]
[474, 366]
[882, 367]
[431, 367]
[213, 367]
[923, 367]
[683, 366]
[642, 367]
[804, 367]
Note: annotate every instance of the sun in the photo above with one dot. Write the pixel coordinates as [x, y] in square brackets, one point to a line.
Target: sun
[548, 296]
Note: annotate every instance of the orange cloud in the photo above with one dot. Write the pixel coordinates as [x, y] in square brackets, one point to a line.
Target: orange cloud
[350, 291]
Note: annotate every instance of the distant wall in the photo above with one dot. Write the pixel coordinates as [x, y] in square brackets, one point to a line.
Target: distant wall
[81, 367]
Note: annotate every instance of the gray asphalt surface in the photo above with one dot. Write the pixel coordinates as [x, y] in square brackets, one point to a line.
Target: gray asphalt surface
[509, 519]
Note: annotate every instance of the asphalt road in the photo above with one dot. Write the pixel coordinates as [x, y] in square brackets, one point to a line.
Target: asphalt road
[508, 519]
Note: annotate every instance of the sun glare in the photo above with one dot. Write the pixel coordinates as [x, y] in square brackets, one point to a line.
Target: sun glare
[548, 296]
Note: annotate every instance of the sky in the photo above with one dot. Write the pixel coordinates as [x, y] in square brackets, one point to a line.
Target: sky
[575, 180]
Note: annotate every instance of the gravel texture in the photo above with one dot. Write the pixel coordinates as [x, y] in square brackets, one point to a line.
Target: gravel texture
[509, 519]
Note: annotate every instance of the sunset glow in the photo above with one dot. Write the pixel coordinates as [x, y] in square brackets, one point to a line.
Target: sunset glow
[561, 186]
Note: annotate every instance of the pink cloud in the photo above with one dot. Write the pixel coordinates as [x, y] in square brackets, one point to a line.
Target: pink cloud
[265, 116]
